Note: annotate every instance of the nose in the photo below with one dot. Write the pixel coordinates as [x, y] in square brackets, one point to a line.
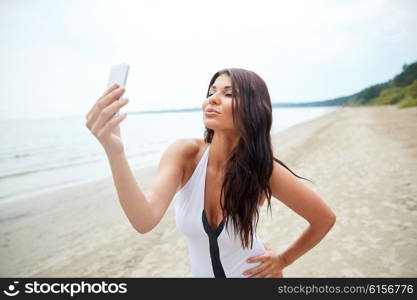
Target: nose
[213, 98]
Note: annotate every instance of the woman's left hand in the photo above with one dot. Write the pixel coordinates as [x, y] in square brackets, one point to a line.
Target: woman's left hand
[271, 267]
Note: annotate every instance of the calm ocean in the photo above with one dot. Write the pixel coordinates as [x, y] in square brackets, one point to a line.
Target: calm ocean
[44, 154]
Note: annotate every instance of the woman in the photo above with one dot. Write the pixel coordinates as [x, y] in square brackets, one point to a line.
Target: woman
[218, 183]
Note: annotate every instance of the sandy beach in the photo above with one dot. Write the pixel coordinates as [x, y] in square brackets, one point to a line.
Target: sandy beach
[362, 160]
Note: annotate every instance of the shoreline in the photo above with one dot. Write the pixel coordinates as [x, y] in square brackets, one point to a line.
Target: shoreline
[291, 136]
[15, 195]
[50, 235]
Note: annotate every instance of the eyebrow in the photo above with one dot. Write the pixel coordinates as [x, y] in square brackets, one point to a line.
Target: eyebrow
[225, 87]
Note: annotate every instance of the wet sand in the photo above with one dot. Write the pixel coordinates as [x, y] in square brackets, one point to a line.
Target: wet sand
[362, 160]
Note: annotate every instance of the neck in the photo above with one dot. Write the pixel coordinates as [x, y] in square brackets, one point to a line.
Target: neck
[221, 148]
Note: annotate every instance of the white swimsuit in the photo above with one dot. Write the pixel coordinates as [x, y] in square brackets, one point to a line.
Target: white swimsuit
[213, 253]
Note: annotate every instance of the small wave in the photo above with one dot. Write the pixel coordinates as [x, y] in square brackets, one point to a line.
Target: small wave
[21, 155]
[46, 169]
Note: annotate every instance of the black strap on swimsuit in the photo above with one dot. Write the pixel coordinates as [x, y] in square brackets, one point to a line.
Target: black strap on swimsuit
[214, 246]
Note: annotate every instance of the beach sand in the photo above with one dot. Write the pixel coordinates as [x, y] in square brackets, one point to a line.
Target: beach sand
[362, 160]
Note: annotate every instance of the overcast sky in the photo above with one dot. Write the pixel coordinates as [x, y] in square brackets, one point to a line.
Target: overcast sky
[55, 56]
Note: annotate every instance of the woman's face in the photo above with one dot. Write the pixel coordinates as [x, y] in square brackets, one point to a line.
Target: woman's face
[220, 99]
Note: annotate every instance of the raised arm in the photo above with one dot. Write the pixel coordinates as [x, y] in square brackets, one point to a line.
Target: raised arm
[145, 210]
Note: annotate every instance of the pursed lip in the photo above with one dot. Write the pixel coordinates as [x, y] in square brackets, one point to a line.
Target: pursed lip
[211, 110]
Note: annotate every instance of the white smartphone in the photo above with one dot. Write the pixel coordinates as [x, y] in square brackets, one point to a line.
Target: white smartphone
[118, 74]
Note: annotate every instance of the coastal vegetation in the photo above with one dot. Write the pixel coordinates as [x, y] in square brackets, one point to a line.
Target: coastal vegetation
[400, 90]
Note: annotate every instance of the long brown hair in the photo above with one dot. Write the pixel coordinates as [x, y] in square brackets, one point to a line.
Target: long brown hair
[250, 165]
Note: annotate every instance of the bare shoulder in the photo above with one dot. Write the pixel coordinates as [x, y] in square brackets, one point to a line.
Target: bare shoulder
[193, 146]
[190, 151]
[184, 152]
[187, 148]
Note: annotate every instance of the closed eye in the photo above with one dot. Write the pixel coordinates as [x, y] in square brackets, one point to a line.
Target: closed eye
[227, 95]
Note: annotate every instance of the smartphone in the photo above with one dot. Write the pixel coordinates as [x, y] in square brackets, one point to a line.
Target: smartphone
[118, 74]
